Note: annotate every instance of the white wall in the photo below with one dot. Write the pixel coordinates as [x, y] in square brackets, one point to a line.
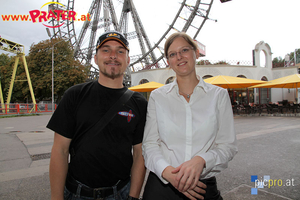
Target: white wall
[252, 72]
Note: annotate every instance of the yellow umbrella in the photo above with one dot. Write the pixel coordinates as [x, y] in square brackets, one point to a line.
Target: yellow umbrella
[292, 81]
[232, 82]
[146, 87]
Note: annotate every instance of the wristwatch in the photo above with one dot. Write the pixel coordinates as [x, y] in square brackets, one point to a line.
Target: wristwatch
[132, 198]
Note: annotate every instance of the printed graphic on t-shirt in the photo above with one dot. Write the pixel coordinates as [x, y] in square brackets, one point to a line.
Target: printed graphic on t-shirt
[129, 115]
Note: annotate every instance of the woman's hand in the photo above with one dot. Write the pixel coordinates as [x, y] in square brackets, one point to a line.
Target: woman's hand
[188, 174]
[196, 187]
[195, 193]
[169, 176]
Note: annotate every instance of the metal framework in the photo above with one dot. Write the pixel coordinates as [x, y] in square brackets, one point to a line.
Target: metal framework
[189, 18]
[68, 29]
[18, 49]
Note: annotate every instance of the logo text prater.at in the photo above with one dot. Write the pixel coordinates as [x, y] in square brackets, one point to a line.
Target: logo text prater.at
[39, 16]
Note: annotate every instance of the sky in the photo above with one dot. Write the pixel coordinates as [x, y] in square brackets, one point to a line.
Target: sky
[241, 24]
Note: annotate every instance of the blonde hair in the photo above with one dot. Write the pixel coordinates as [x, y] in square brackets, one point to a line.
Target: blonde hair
[172, 37]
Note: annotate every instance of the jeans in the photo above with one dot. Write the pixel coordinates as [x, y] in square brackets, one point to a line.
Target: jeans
[118, 195]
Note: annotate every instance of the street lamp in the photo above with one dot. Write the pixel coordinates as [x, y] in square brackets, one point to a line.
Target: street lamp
[49, 34]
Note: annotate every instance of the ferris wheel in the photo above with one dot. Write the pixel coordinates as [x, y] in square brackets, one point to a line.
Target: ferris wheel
[161, 19]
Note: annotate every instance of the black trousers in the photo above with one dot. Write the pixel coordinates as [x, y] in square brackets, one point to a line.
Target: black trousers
[155, 189]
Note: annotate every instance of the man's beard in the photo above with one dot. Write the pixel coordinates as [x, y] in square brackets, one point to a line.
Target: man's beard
[113, 75]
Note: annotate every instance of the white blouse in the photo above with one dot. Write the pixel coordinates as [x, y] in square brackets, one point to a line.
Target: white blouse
[177, 130]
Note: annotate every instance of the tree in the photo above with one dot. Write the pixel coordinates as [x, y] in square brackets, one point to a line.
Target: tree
[280, 62]
[292, 56]
[4, 61]
[6, 67]
[67, 70]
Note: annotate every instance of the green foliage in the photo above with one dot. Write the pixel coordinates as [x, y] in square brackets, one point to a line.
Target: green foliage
[4, 59]
[292, 56]
[6, 67]
[4, 71]
[221, 63]
[279, 61]
[67, 71]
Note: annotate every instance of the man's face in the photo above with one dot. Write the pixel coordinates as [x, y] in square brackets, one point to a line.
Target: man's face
[112, 59]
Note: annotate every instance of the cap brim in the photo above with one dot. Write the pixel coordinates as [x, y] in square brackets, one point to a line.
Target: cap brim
[112, 38]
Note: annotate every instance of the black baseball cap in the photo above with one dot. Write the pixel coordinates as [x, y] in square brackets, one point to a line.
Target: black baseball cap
[112, 35]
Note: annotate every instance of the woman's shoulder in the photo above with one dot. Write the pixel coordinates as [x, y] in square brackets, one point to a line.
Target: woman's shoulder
[162, 90]
[215, 88]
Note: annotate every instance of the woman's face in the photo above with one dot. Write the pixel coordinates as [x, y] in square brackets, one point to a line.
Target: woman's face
[182, 57]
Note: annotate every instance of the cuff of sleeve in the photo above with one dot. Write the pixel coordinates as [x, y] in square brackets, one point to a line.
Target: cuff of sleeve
[161, 166]
[209, 161]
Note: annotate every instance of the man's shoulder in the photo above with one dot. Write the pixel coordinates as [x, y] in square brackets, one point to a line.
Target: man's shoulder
[139, 97]
[80, 87]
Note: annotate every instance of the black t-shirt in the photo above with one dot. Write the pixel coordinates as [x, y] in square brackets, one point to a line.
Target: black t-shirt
[105, 157]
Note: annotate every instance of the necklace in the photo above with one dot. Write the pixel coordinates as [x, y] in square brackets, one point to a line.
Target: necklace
[187, 95]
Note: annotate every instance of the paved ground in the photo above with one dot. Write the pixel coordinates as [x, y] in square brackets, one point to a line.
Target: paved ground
[268, 146]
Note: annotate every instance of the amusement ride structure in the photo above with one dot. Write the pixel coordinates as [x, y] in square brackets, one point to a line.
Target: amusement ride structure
[123, 16]
[18, 49]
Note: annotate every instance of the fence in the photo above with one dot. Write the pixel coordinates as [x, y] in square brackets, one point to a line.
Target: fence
[225, 62]
[17, 109]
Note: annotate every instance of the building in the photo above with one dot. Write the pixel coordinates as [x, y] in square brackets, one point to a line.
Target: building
[258, 71]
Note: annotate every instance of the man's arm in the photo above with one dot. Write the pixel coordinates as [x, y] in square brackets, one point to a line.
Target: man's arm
[59, 166]
[138, 171]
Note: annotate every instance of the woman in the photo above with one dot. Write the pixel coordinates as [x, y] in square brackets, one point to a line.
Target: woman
[189, 134]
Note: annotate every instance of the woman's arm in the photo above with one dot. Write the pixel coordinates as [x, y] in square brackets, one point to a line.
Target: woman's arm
[154, 159]
[225, 147]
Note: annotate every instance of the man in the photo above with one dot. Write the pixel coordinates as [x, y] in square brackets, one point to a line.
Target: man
[107, 163]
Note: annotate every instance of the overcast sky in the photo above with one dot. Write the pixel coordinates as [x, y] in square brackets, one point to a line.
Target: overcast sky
[241, 24]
